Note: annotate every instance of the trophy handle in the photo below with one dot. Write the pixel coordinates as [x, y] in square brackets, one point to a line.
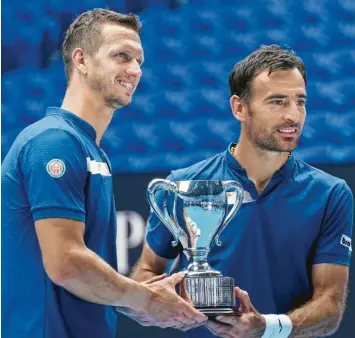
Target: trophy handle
[234, 186]
[165, 185]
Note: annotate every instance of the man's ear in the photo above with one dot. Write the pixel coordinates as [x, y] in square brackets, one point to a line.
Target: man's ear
[80, 60]
[238, 108]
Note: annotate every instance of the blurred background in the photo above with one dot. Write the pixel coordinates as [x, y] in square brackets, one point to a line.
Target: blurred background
[180, 112]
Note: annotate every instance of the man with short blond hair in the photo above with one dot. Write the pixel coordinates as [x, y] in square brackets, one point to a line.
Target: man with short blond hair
[59, 277]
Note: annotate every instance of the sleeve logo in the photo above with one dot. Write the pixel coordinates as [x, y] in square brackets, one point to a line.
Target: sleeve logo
[346, 241]
[56, 168]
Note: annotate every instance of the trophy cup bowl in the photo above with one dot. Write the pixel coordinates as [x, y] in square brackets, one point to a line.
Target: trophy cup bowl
[196, 212]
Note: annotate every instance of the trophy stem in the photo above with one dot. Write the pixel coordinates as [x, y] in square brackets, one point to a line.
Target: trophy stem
[199, 265]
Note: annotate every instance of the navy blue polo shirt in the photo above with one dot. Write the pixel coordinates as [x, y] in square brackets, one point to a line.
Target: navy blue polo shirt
[303, 217]
[54, 169]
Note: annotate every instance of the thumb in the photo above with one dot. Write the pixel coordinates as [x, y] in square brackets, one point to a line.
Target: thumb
[184, 293]
[176, 278]
[155, 279]
[245, 304]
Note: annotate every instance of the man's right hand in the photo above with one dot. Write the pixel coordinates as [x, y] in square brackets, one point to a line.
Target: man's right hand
[165, 308]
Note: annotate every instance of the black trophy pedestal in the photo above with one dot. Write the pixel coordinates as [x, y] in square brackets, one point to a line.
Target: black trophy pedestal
[214, 312]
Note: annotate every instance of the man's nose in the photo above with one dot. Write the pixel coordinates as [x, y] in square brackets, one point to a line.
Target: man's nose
[134, 69]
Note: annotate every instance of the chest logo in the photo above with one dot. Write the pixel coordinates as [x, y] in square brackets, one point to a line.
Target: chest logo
[56, 168]
[346, 241]
[231, 197]
[99, 168]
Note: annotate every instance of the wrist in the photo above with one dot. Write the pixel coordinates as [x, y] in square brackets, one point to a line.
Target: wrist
[136, 296]
[277, 326]
[261, 326]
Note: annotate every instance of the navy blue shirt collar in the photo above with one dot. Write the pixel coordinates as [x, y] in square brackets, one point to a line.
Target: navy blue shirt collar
[83, 125]
[285, 170]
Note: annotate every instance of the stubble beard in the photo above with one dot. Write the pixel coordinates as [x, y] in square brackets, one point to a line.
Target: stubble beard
[111, 101]
[264, 140]
[268, 142]
[115, 102]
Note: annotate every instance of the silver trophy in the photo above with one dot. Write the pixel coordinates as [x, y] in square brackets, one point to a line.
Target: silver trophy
[196, 212]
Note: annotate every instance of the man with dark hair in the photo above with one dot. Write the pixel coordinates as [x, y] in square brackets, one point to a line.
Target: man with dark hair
[59, 274]
[289, 245]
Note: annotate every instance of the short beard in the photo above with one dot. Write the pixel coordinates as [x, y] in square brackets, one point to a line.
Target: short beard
[271, 144]
[110, 101]
[264, 141]
[114, 102]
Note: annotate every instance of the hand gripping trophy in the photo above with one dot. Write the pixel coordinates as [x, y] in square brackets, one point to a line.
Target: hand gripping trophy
[196, 212]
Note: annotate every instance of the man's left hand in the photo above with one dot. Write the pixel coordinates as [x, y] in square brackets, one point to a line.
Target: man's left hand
[249, 325]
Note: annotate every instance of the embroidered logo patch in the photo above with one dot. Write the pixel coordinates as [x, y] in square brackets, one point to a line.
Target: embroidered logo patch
[98, 167]
[56, 168]
[346, 241]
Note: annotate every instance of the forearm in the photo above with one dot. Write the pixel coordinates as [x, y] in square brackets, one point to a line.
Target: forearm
[318, 318]
[89, 277]
[149, 265]
[141, 273]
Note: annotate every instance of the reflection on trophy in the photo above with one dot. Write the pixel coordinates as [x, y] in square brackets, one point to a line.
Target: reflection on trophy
[196, 212]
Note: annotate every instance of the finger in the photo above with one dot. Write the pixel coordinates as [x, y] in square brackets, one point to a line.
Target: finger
[164, 325]
[176, 318]
[186, 320]
[181, 320]
[128, 312]
[143, 320]
[121, 309]
[155, 279]
[243, 296]
[145, 323]
[183, 292]
[176, 323]
[150, 321]
[176, 278]
[231, 320]
[190, 312]
[190, 327]
[219, 330]
[218, 327]
[210, 327]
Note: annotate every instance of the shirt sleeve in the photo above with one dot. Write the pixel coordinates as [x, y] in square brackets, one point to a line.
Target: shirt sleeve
[334, 242]
[54, 171]
[159, 237]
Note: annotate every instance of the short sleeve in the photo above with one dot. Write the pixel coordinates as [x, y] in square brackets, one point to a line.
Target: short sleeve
[159, 237]
[53, 167]
[334, 243]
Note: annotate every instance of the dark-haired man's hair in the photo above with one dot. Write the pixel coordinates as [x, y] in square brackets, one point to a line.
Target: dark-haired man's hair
[271, 58]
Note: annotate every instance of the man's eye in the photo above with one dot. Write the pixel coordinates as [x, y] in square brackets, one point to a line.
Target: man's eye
[277, 102]
[301, 103]
[123, 55]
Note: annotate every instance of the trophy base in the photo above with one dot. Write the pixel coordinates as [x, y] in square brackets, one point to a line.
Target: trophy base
[214, 312]
[213, 296]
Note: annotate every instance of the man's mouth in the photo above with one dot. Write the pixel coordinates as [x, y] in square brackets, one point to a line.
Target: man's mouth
[288, 132]
[127, 85]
